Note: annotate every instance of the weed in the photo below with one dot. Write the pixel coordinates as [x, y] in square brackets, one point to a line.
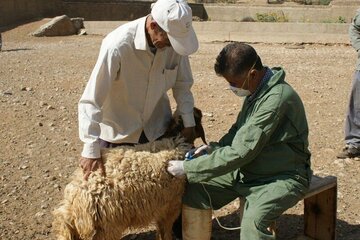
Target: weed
[341, 19]
[271, 17]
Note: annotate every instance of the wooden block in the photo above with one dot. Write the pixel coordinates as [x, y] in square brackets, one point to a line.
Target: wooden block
[320, 212]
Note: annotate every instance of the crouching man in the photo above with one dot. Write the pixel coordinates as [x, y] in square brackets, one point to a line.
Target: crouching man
[263, 158]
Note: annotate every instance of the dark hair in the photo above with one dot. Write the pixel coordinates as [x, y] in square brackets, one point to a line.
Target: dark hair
[236, 58]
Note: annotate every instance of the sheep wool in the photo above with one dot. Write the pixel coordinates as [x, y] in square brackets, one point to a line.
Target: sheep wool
[136, 192]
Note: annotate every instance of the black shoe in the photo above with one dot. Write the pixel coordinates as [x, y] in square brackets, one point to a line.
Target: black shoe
[349, 152]
[177, 228]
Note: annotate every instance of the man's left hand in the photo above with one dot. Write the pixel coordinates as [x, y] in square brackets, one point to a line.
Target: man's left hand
[176, 168]
[189, 134]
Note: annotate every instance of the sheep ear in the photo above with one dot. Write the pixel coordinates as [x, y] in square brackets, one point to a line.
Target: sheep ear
[197, 114]
[199, 128]
[201, 132]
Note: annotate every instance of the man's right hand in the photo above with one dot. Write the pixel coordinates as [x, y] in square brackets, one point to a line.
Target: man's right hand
[89, 165]
[196, 152]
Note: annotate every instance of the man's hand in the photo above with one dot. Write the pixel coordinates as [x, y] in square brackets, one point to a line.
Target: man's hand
[196, 152]
[176, 168]
[91, 165]
[189, 134]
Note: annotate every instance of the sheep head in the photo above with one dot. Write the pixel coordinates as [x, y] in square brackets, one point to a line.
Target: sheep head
[176, 126]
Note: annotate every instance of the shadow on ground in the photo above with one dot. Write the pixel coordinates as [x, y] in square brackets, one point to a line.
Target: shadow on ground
[289, 227]
[16, 49]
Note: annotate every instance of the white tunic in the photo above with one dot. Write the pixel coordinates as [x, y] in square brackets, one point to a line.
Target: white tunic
[126, 92]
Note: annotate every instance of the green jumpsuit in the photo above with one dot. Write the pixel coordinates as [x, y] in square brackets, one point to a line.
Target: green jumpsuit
[263, 158]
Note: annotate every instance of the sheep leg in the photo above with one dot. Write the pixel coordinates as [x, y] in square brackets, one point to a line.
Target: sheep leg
[164, 225]
[163, 231]
[63, 224]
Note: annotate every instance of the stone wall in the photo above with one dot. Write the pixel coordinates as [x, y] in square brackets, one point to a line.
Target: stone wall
[106, 10]
[116, 10]
[17, 11]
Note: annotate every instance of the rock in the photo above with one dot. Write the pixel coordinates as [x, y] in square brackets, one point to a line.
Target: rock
[42, 104]
[27, 89]
[44, 206]
[78, 23]
[82, 32]
[58, 26]
[25, 178]
[248, 19]
[39, 214]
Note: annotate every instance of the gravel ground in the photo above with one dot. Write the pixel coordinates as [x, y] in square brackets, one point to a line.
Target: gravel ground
[41, 80]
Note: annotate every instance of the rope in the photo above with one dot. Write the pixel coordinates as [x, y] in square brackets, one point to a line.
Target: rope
[216, 218]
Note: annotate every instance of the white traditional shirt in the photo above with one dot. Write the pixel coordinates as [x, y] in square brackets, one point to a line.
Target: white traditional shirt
[126, 92]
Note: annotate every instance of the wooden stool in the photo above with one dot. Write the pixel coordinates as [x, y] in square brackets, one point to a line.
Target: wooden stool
[320, 206]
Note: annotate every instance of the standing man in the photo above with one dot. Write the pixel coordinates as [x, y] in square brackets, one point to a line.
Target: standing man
[125, 100]
[263, 158]
[352, 121]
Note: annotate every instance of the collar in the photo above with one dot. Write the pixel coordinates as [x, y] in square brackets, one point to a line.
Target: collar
[264, 80]
[277, 77]
[140, 41]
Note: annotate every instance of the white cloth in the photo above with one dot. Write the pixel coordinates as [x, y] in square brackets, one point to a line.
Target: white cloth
[126, 92]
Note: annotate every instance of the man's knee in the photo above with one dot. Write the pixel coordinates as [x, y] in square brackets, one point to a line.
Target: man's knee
[196, 197]
[255, 227]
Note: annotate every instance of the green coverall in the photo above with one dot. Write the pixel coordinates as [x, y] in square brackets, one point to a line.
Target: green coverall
[263, 158]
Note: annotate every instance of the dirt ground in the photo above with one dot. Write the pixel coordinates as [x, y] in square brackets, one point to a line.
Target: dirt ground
[41, 80]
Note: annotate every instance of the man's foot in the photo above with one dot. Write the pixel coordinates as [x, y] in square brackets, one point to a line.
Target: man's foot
[349, 152]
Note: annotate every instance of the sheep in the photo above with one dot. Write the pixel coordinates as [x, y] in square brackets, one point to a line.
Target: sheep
[136, 192]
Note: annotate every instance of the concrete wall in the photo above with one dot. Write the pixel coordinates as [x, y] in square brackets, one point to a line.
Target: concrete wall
[17, 11]
[109, 11]
[210, 31]
[116, 10]
[296, 13]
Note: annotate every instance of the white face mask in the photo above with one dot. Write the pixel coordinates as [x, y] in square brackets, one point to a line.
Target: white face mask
[240, 91]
